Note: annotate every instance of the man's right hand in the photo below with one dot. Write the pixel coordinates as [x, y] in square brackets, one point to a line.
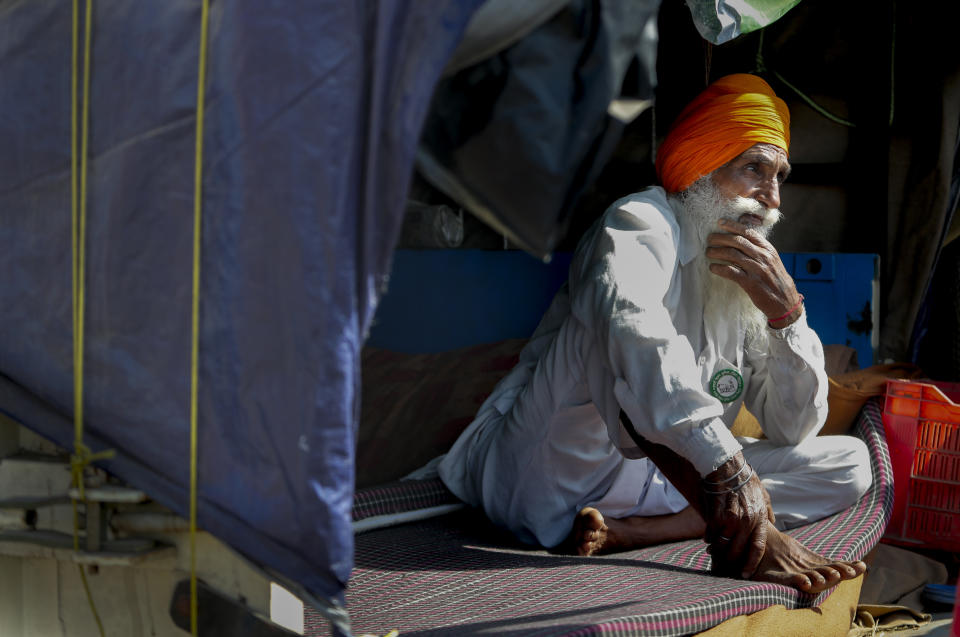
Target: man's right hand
[736, 519]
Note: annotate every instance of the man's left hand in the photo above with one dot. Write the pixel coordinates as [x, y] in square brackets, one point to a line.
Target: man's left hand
[736, 519]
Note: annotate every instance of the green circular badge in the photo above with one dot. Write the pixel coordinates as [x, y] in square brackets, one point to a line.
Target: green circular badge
[726, 385]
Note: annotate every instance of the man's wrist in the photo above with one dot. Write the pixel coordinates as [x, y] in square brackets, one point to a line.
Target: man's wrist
[791, 317]
[734, 483]
[727, 470]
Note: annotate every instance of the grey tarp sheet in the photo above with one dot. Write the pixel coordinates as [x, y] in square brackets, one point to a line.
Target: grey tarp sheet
[313, 113]
[517, 137]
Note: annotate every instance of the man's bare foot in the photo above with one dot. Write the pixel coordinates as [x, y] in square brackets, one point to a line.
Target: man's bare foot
[786, 561]
[594, 535]
[589, 533]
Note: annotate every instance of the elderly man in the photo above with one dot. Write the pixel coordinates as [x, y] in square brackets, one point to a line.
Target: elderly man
[613, 431]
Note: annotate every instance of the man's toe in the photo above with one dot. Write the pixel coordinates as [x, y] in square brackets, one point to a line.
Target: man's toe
[831, 575]
[846, 571]
[816, 579]
[803, 583]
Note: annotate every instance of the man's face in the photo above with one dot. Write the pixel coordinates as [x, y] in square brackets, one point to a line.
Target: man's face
[757, 174]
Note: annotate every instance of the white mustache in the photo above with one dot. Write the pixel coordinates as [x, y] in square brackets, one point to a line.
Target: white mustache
[744, 205]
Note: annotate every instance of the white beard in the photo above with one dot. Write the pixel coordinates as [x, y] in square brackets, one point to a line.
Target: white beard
[702, 206]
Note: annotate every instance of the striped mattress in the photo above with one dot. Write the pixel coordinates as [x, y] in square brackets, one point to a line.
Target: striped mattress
[458, 575]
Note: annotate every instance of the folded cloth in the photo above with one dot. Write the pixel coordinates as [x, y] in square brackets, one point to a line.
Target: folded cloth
[848, 392]
[873, 619]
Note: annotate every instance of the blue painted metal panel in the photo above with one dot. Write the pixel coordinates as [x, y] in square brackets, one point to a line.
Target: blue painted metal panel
[444, 299]
[814, 266]
[840, 291]
[439, 300]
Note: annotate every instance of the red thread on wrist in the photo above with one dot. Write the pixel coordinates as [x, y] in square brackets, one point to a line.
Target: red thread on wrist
[792, 310]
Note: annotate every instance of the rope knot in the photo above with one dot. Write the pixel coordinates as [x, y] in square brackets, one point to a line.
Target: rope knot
[81, 458]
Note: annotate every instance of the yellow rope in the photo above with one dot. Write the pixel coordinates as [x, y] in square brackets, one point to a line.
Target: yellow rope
[78, 235]
[73, 203]
[195, 309]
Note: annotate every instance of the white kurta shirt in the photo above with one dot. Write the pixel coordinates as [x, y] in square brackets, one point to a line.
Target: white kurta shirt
[627, 332]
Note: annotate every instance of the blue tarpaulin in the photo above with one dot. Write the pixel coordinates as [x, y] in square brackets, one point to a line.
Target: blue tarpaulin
[313, 113]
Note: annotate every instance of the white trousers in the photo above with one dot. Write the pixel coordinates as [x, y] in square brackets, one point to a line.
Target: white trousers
[818, 477]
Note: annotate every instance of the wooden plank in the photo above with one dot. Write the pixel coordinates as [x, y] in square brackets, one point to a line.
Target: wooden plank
[33, 502]
[110, 493]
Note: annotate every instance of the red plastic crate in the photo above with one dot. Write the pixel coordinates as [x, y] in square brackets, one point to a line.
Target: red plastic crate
[955, 630]
[922, 423]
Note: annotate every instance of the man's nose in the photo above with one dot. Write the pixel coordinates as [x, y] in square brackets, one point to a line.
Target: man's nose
[769, 194]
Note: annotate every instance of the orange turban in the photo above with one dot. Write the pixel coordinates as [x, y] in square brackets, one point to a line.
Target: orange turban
[727, 118]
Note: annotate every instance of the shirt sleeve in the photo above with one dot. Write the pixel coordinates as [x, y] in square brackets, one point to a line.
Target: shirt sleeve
[618, 287]
[788, 389]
